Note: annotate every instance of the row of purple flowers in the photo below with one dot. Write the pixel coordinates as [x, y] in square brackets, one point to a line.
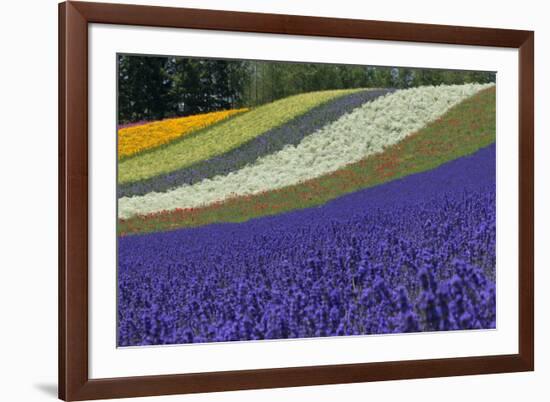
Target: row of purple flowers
[415, 254]
[271, 141]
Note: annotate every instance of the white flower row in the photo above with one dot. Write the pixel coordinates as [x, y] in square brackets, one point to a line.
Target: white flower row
[364, 131]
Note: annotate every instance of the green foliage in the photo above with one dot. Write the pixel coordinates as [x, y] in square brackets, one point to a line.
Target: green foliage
[205, 85]
[143, 92]
[152, 88]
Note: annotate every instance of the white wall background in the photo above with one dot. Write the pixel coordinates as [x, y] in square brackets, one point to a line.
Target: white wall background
[28, 201]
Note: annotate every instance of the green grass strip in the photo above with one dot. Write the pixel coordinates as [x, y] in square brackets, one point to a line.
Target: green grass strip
[463, 130]
[222, 137]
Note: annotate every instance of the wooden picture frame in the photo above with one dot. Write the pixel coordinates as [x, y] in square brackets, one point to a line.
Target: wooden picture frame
[74, 381]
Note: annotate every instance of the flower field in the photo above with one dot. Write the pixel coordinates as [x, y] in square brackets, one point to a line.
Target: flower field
[223, 137]
[404, 256]
[362, 132]
[347, 212]
[138, 138]
[266, 143]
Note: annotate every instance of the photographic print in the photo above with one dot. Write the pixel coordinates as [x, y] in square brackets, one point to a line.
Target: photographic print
[263, 200]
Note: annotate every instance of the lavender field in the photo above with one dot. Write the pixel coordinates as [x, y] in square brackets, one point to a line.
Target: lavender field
[414, 254]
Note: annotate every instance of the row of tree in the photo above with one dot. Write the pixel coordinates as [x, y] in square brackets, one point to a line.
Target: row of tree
[152, 88]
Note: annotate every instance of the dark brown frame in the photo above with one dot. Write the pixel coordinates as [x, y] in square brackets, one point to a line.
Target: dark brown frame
[74, 383]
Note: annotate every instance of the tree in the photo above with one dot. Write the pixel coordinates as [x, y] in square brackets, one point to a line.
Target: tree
[151, 88]
[143, 88]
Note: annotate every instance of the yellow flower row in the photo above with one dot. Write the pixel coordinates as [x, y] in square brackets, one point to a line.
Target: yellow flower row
[136, 139]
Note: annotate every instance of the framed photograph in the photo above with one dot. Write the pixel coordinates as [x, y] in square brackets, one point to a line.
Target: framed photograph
[258, 200]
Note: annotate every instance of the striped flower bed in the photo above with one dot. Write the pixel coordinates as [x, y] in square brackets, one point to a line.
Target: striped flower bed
[221, 138]
[143, 137]
[291, 133]
[463, 130]
[366, 131]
